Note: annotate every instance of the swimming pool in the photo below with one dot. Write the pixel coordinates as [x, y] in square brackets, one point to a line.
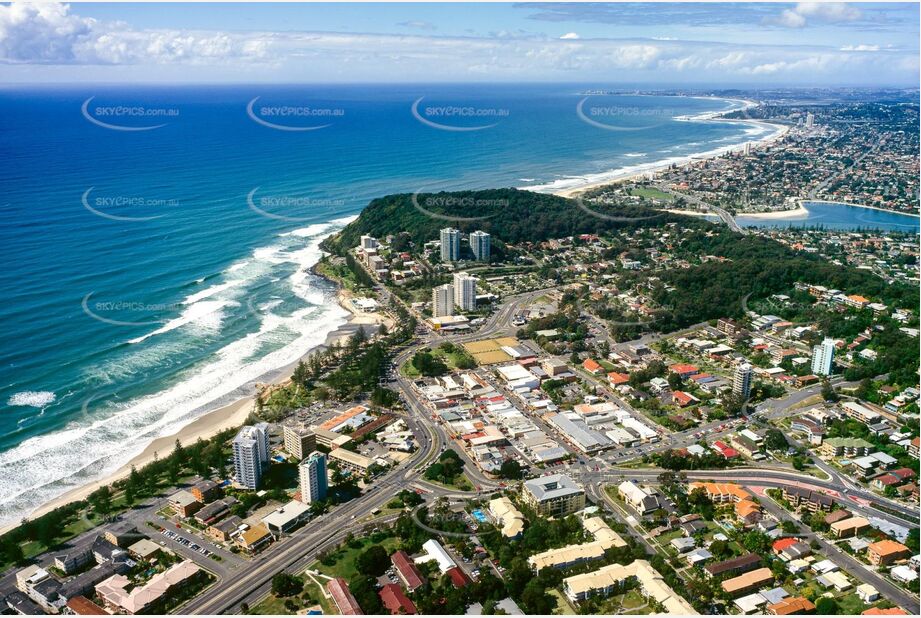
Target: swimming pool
[479, 515]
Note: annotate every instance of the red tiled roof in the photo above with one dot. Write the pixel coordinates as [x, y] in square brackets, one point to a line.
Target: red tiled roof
[84, 607]
[458, 577]
[395, 601]
[407, 569]
[681, 368]
[618, 378]
[338, 588]
[782, 544]
[892, 611]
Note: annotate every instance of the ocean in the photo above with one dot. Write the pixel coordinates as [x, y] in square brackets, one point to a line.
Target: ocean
[157, 240]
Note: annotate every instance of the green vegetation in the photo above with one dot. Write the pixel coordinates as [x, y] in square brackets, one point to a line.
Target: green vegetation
[716, 288]
[339, 372]
[512, 216]
[347, 560]
[447, 470]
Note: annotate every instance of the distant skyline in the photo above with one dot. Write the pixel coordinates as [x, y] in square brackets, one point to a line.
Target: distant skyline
[664, 44]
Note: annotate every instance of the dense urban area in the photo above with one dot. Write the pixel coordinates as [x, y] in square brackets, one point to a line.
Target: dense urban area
[590, 406]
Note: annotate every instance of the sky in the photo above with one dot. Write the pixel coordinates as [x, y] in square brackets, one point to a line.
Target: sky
[664, 44]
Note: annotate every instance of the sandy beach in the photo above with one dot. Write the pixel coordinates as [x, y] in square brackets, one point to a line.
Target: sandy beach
[225, 417]
[638, 172]
[799, 212]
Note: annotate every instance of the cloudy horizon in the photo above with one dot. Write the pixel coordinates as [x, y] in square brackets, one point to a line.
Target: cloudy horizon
[667, 44]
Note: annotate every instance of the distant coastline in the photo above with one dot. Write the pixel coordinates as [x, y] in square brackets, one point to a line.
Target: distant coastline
[630, 173]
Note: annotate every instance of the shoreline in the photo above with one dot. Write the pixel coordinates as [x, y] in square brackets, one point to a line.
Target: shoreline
[631, 173]
[213, 422]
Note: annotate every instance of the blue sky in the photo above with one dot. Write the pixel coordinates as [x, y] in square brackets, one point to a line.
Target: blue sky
[744, 44]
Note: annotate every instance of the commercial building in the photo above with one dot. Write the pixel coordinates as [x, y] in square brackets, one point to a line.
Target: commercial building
[300, 440]
[443, 301]
[250, 454]
[287, 518]
[742, 380]
[313, 478]
[608, 579]
[554, 496]
[823, 357]
[464, 292]
[480, 245]
[450, 244]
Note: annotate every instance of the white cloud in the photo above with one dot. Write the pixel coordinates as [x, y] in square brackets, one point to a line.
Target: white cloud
[860, 48]
[826, 12]
[830, 12]
[49, 36]
[791, 19]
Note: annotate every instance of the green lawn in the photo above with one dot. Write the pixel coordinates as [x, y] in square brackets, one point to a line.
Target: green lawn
[461, 483]
[849, 604]
[563, 606]
[652, 193]
[451, 360]
[344, 565]
[275, 606]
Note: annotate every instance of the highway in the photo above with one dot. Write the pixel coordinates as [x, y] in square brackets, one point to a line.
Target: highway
[722, 213]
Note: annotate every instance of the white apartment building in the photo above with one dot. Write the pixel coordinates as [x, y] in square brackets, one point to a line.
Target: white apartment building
[480, 245]
[450, 244]
[313, 479]
[443, 301]
[464, 292]
[742, 380]
[250, 453]
[823, 357]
